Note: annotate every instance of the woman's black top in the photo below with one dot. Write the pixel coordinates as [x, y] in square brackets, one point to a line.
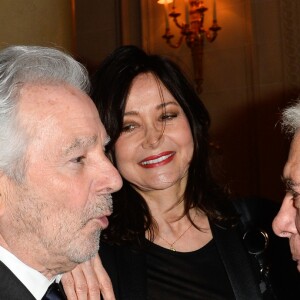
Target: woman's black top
[192, 275]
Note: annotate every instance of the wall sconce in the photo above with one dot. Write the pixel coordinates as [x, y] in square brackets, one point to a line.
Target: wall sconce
[192, 31]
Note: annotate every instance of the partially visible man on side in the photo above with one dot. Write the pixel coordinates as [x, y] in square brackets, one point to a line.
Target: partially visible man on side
[287, 222]
[55, 179]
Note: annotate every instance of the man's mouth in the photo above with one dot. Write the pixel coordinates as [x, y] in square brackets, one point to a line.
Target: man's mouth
[104, 210]
[103, 222]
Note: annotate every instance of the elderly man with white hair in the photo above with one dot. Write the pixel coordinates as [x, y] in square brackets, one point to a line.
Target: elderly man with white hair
[55, 178]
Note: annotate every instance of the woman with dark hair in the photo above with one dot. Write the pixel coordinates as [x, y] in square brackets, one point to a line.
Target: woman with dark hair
[173, 233]
[113, 84]
[162, 242]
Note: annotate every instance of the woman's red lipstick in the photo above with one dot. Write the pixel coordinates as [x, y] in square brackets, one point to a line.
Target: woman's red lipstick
[157, 160]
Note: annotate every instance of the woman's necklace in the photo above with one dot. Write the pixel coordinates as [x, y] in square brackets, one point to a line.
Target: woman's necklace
[172, 244]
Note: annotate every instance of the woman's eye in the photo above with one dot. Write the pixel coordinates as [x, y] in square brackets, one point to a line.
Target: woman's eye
[166, 117]
[128, 127]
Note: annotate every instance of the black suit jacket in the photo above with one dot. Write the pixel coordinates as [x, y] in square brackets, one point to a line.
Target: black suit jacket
[127, 267]
[11, 288]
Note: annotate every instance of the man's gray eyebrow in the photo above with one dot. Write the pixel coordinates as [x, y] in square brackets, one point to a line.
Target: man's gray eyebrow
[289, 183]
[80, 143]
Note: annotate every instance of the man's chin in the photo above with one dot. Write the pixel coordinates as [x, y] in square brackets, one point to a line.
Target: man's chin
[86, 250]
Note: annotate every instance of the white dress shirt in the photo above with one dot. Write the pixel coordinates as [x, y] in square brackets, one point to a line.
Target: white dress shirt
[33, 280]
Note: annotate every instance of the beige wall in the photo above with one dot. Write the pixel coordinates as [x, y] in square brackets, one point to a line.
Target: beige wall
[36, 22]
[103, 25]
[97, 30]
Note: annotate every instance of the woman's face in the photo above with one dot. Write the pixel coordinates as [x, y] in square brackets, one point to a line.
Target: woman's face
[156, 146]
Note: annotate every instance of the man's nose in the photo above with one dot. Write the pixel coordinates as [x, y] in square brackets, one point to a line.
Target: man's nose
[284, 223]
[109, 179]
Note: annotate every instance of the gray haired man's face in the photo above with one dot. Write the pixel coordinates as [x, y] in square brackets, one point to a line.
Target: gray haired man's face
[287, 221]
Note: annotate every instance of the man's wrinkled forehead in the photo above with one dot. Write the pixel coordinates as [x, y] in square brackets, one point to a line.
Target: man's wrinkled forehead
[294, 152]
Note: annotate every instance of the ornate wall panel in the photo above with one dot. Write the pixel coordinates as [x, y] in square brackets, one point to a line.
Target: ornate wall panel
[290, 31]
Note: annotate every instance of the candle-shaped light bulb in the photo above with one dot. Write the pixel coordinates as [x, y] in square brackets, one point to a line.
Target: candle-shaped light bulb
[187, 12]
[167, 15]
[214, 11]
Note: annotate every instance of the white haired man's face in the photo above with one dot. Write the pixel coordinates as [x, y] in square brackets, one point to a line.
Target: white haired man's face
[55, 215]
[287, 222]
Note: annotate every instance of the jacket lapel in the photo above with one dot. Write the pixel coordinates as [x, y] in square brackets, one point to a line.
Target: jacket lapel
[237, 263]
[11, 287]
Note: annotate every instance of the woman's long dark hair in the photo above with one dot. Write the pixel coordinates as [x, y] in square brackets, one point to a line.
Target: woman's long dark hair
[110, 87]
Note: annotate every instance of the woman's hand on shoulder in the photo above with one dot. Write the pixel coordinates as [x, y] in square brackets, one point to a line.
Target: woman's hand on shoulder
[88, 281]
